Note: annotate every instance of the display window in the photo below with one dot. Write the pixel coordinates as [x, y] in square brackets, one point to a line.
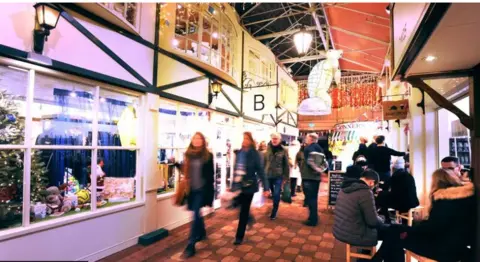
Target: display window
[81, 148]
[178, 123]
[453, 137]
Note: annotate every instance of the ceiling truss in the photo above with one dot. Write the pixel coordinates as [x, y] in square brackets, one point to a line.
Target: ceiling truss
[275, 24]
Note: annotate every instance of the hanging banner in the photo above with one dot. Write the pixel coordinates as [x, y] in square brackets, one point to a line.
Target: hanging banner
[393, 110]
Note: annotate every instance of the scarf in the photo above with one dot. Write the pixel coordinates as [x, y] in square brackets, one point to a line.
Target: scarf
[193, 153]
[275, 149]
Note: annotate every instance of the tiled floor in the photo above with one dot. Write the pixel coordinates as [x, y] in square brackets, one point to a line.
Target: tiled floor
[285, 239]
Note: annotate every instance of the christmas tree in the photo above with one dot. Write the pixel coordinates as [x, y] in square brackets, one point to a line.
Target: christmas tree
[11, 164]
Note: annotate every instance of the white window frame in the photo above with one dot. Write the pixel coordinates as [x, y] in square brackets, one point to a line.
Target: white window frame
[220, 21]
[28, 145]
[136, 26]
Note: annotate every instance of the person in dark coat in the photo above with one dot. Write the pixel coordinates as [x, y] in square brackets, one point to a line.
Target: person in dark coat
[198, 167]
[403, 191]
[277, 169]
[314, 165]
[355, 217]
[450, 227]
[248, 171]
[362, 150]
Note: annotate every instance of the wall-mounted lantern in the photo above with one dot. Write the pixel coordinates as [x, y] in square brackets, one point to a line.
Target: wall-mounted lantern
[47, 16]
[216, 87]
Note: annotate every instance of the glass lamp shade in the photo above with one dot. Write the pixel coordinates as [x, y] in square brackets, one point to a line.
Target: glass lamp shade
[302, 41]
[216, 87]
[47, 15]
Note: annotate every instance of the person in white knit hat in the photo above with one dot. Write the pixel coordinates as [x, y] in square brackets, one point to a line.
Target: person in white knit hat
[403, 191]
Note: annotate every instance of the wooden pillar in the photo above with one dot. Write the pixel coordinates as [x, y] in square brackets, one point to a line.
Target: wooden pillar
[475, 136]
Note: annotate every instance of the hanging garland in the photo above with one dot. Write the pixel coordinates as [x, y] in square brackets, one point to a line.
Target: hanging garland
[356, 92]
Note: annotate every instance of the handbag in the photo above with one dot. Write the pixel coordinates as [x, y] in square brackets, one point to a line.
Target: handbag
[181, 195]
[182, 192]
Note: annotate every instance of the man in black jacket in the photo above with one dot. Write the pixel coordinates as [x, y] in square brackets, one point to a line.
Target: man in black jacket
[315, 164]
[380, 159]
[355, 219]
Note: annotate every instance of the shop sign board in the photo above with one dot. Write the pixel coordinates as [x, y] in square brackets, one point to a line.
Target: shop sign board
[406, 20]
[393, 110]
[335, 180]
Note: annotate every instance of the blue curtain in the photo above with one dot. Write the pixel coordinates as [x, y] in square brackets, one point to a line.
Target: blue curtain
[118, 163]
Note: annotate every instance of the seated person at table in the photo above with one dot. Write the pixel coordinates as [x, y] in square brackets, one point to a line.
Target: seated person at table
[403, 191]
[449, 228]
[355, 217]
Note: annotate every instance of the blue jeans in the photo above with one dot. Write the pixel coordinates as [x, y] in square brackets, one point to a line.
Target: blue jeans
[198, 227]
[311, 198]
[276, 185]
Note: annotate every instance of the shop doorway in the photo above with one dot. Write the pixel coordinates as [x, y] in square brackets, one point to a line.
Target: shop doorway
[223, 156]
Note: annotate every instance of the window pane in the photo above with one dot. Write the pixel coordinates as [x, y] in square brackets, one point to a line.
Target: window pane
[192, 48]
[13, 91]
[117, 119]
[116, 171]
[167, 118]
[180, 43]
[207, 25]
[167, 170]
[119, 8]
[11, 188]
[193, 18]
[60, 182]
[454, 138]
[186, 127]
[205, 53]
[131, 14]
[62, 112]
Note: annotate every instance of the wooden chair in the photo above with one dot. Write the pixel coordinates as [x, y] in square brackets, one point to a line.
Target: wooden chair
[409, 255]
[408, 216]
[351, 254]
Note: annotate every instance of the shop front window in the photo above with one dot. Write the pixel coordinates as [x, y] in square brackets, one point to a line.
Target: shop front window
[60, 145]
[13, 90]
[453, 137]
[178, 124]
[167, 151]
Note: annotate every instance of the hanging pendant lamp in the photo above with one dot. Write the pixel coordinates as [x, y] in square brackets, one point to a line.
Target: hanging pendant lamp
[302, 40]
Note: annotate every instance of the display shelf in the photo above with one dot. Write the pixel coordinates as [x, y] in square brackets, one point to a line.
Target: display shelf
[73, 212]
[460, 147]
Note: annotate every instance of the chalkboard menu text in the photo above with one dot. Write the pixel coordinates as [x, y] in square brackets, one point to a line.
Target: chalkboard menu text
[335, 180]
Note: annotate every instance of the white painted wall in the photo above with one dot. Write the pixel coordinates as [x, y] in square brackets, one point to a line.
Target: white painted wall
[68, 45]
[90, 239]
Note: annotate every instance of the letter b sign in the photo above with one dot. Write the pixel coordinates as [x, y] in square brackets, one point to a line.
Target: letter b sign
[258, 102]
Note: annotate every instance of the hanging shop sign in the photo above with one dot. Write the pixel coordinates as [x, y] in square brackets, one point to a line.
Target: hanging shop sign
[259, 96]
[320, 78]
[393, 110]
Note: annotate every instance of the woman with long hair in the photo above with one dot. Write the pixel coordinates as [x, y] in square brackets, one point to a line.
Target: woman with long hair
[449, 229]
[198, 170]
[248, 170]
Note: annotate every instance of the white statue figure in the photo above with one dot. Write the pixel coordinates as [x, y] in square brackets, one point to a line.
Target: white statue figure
[319, 81]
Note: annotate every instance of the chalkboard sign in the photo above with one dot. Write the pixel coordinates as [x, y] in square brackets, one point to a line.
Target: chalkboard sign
[335, 180]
